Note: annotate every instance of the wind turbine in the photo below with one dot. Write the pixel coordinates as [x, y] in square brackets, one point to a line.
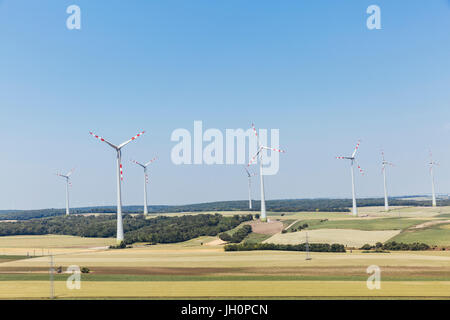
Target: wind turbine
[249, 175]
[259, 155]
[384, 163]
[119, 180]
[145, 180]
[432, 164]
[352, 159]
[68, 184]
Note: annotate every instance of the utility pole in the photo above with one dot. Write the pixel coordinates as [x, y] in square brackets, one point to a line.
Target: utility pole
[308, 257]
[52, 288]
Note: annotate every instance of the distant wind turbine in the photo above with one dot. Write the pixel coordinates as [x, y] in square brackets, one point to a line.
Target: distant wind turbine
[352, 159]
[259, 155]
[119, 180]
[144, 166]
[432, 164]
[249, 175]
[68, 184]
[384, 163]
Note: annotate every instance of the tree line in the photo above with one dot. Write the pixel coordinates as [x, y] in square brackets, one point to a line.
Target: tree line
[294, 205]
[397, 246]
[313, 247]
[237, 236]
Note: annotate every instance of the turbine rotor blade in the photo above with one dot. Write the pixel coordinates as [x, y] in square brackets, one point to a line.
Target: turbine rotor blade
[356, 149]
[151, 161]
[359, 168]
[256, 133]
[134, 138]
[70, 172]
[273, 149]
[103, 140]
[138, 163]
[255, 156]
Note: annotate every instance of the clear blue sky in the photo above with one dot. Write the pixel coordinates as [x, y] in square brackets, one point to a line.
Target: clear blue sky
[309, 68]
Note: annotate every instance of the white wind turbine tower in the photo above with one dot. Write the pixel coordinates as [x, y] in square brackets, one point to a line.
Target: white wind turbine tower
[352, 159]
[249, 175]
[384, 163]
[432, 164]
[144, 166]
[68, 184]
[119, 180]
[259, 155]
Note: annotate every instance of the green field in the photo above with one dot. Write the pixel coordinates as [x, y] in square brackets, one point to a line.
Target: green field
[436, 235]
[256, 237]
[364, 224]
[7, 258]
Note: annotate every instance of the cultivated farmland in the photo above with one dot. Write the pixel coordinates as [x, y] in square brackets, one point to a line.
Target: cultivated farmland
[200, 268]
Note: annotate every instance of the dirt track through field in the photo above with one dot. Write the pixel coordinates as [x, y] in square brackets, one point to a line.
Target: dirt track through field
[429, 224]
[271, 227]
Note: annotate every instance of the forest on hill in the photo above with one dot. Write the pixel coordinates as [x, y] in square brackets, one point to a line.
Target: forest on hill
[160, 229]
[293, 205]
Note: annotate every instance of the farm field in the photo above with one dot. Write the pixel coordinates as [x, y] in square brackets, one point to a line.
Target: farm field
[200, 268]
[438, 234]
[347, 237]
[223, 289]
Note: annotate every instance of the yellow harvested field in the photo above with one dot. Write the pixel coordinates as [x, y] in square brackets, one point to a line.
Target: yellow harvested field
[183, 289]
[413, 212]
[347, 237]
[53, 241]
[51, 244]
[168, 256]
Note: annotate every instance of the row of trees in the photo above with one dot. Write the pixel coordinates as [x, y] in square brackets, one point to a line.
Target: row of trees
[237, 236]
[313, 247]
[395, 246]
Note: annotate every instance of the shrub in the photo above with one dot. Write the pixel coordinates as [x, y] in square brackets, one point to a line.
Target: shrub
[225, 237]
[121, 245]
[85, 270]
[366, 247]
